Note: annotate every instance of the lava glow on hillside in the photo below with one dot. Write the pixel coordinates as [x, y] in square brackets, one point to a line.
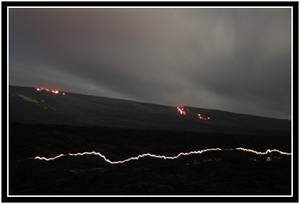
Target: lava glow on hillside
[53, 91]
[183, 112]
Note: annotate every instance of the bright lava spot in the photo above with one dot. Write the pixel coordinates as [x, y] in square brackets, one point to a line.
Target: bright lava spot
[181, 111]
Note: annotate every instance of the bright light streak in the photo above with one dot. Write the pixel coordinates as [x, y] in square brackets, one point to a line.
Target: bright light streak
[131, 158]
[262, 153]
[159, 156]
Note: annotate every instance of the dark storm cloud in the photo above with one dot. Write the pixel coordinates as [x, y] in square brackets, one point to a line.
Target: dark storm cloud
[237, 60]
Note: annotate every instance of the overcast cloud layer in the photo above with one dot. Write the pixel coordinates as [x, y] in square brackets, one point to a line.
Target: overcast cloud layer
[236, 60]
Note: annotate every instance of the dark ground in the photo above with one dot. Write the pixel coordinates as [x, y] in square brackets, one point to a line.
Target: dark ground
[210, 173]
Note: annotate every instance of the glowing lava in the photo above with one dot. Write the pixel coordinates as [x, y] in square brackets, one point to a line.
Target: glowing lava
[53, 91]
[183, 112]
[203, 118]
[160, 156]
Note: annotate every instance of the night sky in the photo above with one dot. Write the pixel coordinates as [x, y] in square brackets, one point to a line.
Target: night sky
[231, 59]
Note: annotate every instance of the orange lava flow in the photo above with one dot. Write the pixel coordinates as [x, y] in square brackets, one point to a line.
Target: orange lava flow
[203, 118]
[53, 91]
[160, 156]
[183, 112]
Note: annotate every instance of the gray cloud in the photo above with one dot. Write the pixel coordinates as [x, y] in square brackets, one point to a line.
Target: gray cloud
[237, 60]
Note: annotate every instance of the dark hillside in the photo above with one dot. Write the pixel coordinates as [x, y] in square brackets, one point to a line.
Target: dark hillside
[27, 105]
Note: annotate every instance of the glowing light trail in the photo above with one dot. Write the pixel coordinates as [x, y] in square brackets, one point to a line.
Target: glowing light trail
[159, 156]
[262, 153]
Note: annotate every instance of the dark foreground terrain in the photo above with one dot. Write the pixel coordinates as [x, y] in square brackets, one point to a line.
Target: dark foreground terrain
[210, 173]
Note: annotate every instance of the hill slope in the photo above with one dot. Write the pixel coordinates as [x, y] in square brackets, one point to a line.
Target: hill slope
[27, 105]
